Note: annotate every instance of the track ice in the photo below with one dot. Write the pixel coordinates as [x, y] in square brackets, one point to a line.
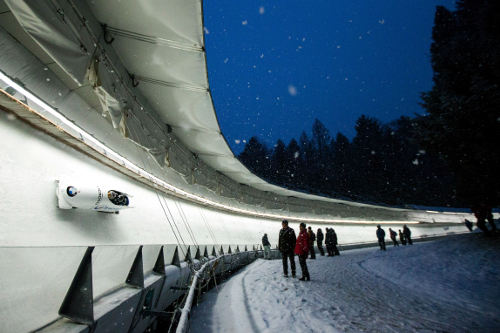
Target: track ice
[450, 285]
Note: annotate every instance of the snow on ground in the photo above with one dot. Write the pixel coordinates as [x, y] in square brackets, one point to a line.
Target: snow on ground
[449, 285]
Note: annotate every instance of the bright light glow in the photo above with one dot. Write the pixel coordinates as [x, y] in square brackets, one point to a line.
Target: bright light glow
[141, 172]
[432, 212]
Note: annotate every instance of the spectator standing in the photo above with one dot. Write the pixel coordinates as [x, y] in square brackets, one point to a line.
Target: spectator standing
[319, 241]
[407, 233]
[489, 217]
[312, 238]
[381, 237]
[335, 242]
[286, 245]
[393, 235]
[468, 224]
[302, 248]
[267, 247]
[329, 242]
[481, 219]
[402, 237]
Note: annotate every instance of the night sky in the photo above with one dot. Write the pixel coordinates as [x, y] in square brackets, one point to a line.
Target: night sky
[274, 68]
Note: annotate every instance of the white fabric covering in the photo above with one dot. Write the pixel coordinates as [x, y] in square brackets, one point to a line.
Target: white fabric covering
[48, 23]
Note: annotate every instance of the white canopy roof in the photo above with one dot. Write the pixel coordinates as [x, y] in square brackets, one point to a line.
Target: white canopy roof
[160, 45]
[161, 42]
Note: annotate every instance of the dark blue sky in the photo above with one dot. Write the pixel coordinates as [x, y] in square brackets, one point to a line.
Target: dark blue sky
[274, 68]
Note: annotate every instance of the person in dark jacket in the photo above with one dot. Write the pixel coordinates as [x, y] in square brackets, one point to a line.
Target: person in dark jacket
[407, 233]
[468, 224]
[302, 248]
[286, 246]
[402, 237]
[393, 235]
[329, 242]
[267, 247]
[319, 241]
[335, 242]
[489, 217]
[480, 215]
[381, 237]
[312, 238]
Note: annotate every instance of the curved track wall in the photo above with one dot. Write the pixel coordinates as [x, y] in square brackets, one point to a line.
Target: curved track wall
[41, 245]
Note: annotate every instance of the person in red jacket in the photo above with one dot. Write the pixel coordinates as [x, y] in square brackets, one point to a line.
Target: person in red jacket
[302, 248]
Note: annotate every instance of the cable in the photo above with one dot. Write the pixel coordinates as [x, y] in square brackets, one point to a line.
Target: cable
[184, 218]
[225, 228]
[210, 231]
[158, 197]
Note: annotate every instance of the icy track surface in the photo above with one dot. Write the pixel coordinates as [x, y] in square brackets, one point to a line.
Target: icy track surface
[450, 285]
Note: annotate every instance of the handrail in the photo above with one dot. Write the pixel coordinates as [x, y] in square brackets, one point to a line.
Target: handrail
[182, 326]
[183, 321]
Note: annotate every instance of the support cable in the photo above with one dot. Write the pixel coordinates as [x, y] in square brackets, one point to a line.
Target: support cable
[186, 222]
[210, 231]
[159, 200]
[225, 228]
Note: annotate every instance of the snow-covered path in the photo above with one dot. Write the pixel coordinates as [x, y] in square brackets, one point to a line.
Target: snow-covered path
[450, 285]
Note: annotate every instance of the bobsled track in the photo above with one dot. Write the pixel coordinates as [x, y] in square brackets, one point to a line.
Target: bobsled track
[106, 109]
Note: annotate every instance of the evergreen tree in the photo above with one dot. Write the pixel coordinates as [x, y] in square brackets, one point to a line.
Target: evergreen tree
[255, 157]
[294, 162]
[341, 164]
[279, 163]
[367, 164]
[321, 141]
[320, 165]
[462, 109]
[307, 153]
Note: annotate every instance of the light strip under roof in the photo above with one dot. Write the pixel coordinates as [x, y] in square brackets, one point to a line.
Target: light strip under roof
[141, 172]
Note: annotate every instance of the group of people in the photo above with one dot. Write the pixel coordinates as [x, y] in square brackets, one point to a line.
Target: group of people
[330, 242]
[404, 237]
[483, 213]
[290, 245]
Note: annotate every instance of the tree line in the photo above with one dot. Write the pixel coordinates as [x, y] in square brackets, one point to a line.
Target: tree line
[449, 156]
[382, 164]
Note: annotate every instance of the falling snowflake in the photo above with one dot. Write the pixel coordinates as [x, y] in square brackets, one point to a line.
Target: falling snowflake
[244, 22]
[415, 161]
[292, 90]
[381, 21]
[237, 142]
[261, 10]
[206, 30]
